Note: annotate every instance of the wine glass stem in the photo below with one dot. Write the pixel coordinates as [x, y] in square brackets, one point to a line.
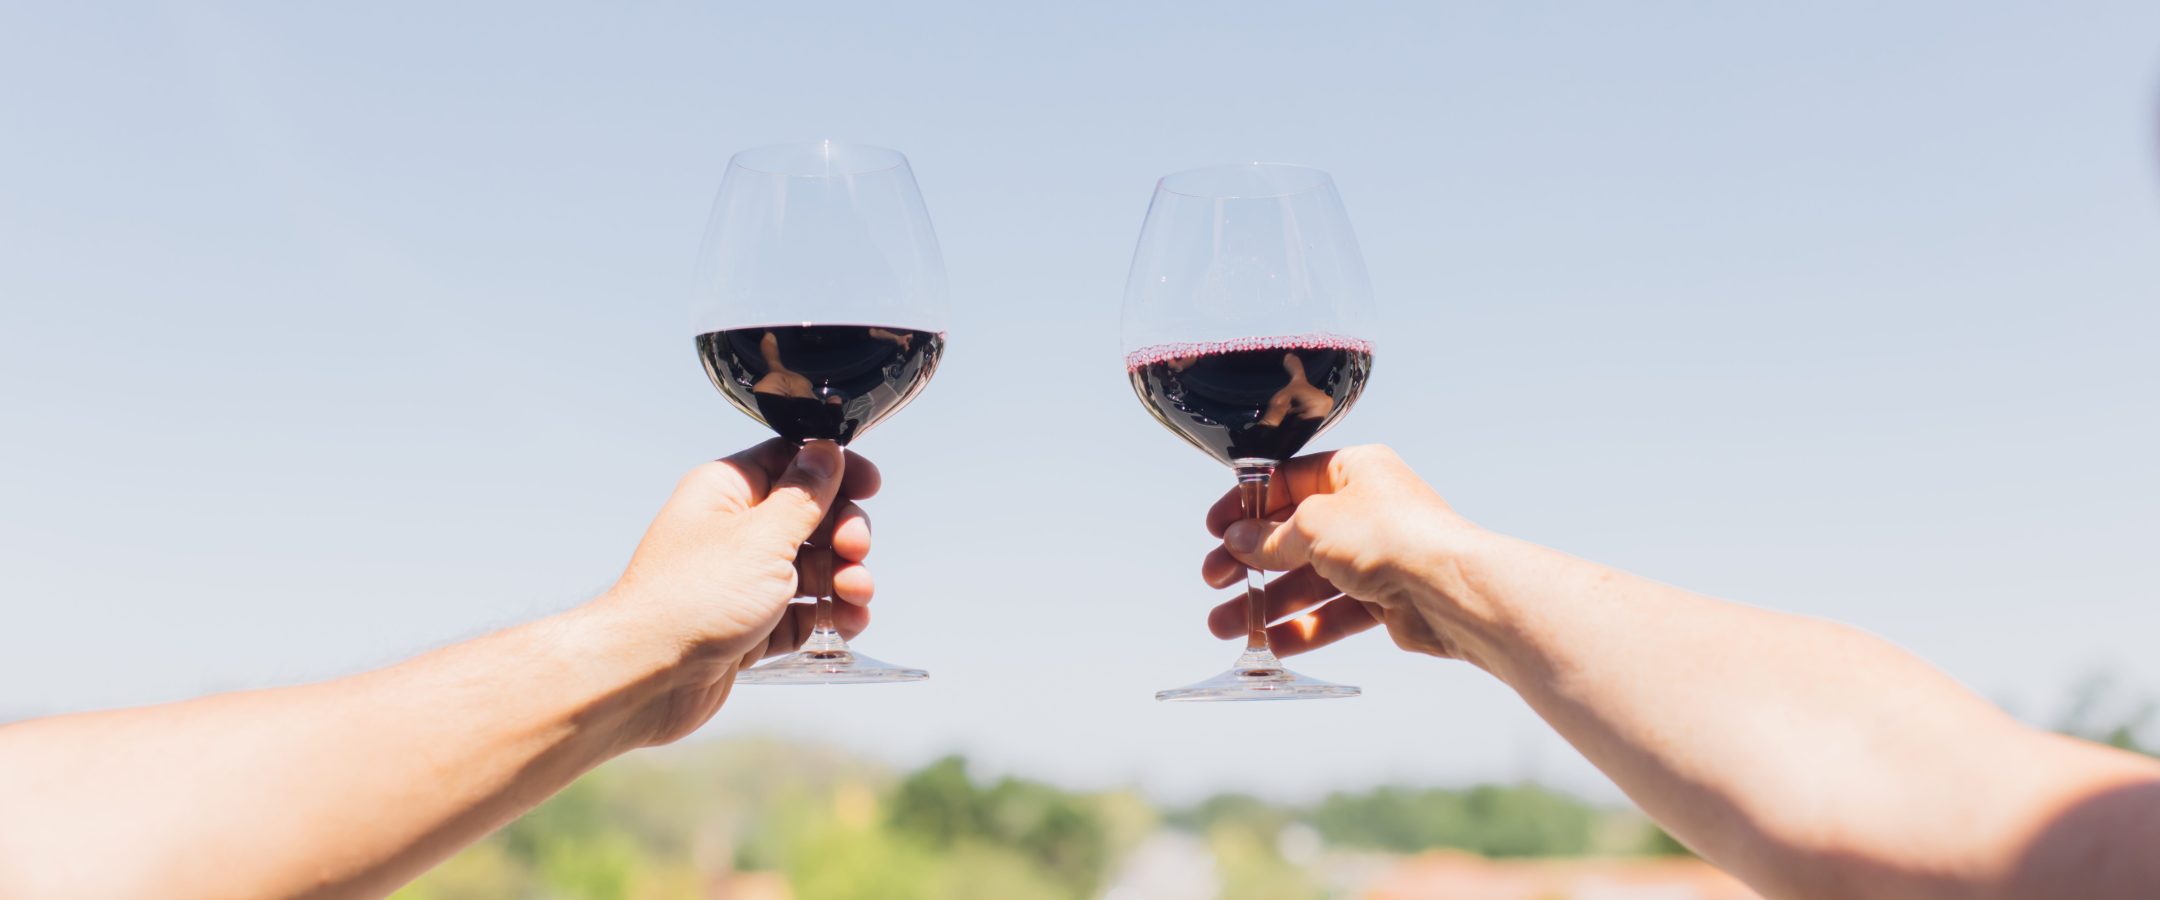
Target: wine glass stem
[824, 638]
[1253, 481]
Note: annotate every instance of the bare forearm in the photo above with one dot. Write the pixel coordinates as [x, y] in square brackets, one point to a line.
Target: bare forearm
[351, 787]
[1808, 757]
[345, 788]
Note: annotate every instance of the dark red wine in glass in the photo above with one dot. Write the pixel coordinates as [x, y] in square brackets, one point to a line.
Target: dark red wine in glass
[1255, 398]
[820, 382]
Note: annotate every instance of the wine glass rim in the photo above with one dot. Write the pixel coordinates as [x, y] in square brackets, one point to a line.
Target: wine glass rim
[1181, 182]
[816, 159]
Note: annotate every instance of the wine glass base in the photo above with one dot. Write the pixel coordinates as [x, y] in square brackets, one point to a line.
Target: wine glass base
[828, 667]
[1259, 677]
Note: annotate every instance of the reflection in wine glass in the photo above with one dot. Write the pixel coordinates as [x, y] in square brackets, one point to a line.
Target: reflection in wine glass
[779, 380]
[1298, 398]
[903, 341]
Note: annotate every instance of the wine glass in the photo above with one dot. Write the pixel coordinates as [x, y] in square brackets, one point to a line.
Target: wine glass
[819, 312]
[1246, 332]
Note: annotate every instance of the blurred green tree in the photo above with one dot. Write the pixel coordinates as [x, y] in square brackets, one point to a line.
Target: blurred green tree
[2098, 711]
[834, 862]
[1494, 820]
[1659, 842]
[1250, 865]
[938, 804]
[1063, 834]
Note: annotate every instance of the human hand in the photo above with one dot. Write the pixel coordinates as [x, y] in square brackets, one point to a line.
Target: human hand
[1364, 542]
[715, 572]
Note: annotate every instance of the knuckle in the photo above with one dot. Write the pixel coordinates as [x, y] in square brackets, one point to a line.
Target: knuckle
[793, 496]
[781, 573]
[1317, 515]
[1325, 556]
[1364, 457]
[701, 475]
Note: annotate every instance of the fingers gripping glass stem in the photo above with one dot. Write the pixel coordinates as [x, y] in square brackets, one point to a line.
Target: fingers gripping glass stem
[819, 311]
[825, 657]
[1257, 674]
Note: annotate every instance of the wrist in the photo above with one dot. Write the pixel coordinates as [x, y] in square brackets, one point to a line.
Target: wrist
[626, 670]
[1512, 598]
[1454, 588]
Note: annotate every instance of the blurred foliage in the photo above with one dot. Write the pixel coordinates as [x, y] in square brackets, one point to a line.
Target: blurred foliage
[704, 819]
[1659, 842]
[1251, 866]
[1513, 820]
[746, 818]
[1059, 833]
[2099, 711]
[676, 823]
[1494, 820]
[833, 861]
[1245, 809]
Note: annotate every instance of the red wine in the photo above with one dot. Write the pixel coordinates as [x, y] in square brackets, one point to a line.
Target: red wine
[830, 382]
[1253, 398]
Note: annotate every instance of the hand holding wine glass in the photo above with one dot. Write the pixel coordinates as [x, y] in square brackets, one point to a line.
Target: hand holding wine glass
[820, 312]
[1363, 541]
[1246, 320]
[713, 576]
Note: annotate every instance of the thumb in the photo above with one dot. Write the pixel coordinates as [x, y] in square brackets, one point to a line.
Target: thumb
[799, 499]
[1273, 546]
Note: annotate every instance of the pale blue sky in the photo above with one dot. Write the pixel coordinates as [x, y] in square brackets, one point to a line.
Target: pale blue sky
[332, 333]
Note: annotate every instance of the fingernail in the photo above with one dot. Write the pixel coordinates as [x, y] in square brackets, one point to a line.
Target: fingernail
[1241, 537]
[817, 460]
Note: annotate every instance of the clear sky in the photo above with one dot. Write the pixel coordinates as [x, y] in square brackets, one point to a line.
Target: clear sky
[335, 332]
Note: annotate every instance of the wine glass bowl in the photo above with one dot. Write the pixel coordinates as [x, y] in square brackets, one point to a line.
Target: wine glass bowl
[1246, 330]
[819, 311]
[822, 232]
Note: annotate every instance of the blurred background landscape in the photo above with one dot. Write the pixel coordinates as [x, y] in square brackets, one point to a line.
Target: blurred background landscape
[744, 819]
[750, 819]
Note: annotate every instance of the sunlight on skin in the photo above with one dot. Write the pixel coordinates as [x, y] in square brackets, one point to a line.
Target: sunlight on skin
[1307, 624]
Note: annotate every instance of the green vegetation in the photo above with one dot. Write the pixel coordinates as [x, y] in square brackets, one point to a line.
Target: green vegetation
[1659, 842]
[677, 823]
[695, 820]
[1048, 830]
[1512, 820]
[672, 824]
[684, 822]
[2098, 711]
[1249, 862]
